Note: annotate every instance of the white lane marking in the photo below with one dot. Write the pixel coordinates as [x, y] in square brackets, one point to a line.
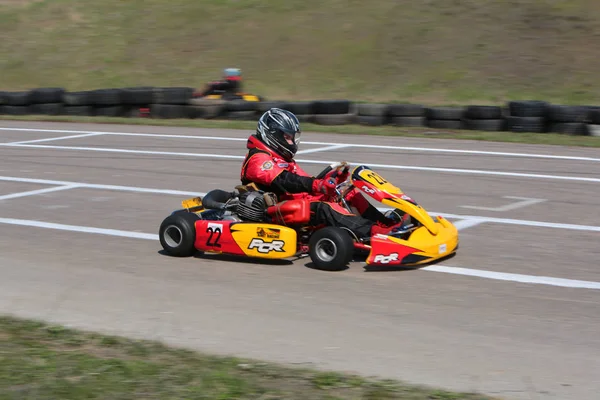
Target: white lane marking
[525, 201]
[37, 192]
[368, 146]
[540, 224]
[543, 280]
[319, 162]
[520, 222]
[503, 276]
[55, 138]
[78, 228]
[463, 224]
[328, 148]
[102, 187]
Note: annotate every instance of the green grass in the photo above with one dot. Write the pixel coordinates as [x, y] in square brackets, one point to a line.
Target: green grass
[508, 137]
[431, 52]
[42, 361]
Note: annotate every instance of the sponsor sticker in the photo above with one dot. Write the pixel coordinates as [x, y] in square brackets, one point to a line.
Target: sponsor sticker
[442, 248]
[266, 247]
[383, 259]
[267, 165]
[268, 233]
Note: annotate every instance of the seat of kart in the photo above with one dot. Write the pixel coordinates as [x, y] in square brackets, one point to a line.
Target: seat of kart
[290, 212]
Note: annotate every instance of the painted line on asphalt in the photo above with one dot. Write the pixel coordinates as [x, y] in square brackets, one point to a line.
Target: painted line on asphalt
[78, 228]
[479, 218]
[55, 138]
[467, 223]
[319, 162]
[37, 192]
[319, 149]
[502, 276]
[100, 186]
[368, 146]
[532, 279]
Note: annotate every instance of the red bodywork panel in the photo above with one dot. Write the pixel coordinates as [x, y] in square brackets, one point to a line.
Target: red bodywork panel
[290, 212]
[216, 236]
[386, 252]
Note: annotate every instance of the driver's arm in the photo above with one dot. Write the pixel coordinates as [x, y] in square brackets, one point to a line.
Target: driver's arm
[262, 170]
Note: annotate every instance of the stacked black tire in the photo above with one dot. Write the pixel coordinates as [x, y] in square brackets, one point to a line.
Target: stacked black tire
[406, 115]
[333, 112]
[484, 118]
[527, 116]
[569, 120]
[372, 114]
[445, 117]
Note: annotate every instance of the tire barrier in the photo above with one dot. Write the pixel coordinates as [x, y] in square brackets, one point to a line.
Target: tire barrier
[532, 116]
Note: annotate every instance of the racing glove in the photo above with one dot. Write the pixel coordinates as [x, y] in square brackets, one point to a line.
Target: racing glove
[325, 186]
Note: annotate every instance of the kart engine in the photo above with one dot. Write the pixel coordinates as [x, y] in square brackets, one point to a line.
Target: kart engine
[252, 205]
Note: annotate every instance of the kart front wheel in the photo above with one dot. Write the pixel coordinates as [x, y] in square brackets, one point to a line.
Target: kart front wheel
[177, 234]
[331, 249]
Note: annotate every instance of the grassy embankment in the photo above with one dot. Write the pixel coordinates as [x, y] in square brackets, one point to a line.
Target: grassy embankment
[43, 361]
[434, 52]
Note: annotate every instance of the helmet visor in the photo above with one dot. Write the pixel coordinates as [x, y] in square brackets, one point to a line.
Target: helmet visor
[292, 138]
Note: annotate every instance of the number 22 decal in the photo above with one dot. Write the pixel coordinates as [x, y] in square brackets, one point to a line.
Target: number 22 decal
[215, 231]
[376, 178]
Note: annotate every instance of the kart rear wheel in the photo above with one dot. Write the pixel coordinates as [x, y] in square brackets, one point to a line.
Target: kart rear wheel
[331, 249]
[177, 234]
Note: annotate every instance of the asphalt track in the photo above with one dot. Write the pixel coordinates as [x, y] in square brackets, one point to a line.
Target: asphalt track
[516, 313]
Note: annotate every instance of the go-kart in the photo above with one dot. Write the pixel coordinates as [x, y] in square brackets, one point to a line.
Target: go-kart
[219, 223]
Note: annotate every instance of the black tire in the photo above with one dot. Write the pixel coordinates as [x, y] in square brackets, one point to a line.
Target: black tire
[370, 121]
[334, 119]
[46, 95]
[47, 109]
[107, 97]
[570, 128]
[265, 106]
[527, 108]
[483, 112]
[177, 234]
[331, 107]
[331, 249]
[241, 105]
[141, 95]
[406, 110]
[80, 111]
[17, 98]
[372, 110]
[78, 98]
[445, 113]
[595, 116]
[14, 110]
[308, 118]
[559, 113]
[109, 111]
[444, 124]
[300, 107]
[241, 115]
[168, 111]
[173, 95]
[489, 125]
[407, 121]
[526, 124]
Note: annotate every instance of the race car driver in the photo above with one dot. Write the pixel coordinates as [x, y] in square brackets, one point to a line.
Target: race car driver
[228, 86]
[270, 165]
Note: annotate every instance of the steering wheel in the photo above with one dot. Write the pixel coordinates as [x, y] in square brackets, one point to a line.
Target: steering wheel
[337, 165]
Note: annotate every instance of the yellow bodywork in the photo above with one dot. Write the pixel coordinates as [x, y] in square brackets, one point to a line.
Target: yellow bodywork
[265, 240]
[245, 97]
[396, 200]
[194, 202]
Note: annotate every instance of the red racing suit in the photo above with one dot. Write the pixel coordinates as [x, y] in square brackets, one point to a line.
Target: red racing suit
[271, 173]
